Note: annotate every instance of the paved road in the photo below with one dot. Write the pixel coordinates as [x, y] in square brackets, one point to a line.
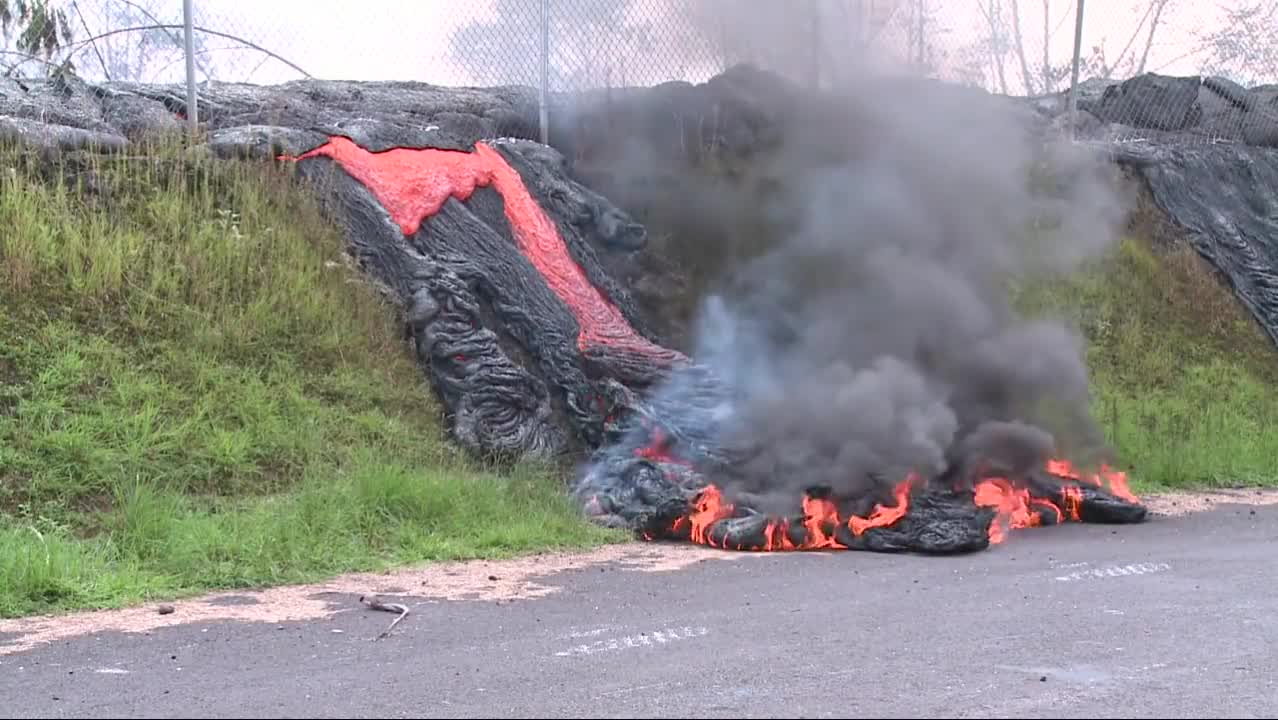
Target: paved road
[1176, 617]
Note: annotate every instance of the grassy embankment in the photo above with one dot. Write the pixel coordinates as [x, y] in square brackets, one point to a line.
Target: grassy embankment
[196, 393]
[1183, 379]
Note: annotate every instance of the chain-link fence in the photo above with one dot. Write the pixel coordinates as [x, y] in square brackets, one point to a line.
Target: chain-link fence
[1204, 68]
[1015, 47]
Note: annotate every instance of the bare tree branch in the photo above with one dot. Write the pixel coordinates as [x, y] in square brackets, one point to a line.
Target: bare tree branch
[1135, 33]
[75, 5]
[992, 11]
[1159, 6]
[1048, 80]
[198, 53]
[1018, 39]
[1245, 48]
[169, 26]
[25, 57]
[177, 39]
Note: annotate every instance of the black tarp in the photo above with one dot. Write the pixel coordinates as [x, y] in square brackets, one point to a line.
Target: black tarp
[1225, 196]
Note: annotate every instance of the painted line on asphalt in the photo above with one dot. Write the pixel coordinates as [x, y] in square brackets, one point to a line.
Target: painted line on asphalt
[630, 642]
[1114, 571]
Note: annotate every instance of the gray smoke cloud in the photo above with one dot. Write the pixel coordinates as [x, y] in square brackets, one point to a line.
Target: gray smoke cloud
[875, 335]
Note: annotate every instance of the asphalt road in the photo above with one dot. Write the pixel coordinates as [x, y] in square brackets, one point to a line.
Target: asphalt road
[1177, 617]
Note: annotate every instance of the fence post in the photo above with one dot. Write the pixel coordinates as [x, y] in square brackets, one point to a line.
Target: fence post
[815, 39]
[1073, 79]
[543, 111]
[192, 111]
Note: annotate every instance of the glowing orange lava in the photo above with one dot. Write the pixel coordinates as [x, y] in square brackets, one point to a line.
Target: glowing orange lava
[413, 184]
[820, 520]
[1112, 480]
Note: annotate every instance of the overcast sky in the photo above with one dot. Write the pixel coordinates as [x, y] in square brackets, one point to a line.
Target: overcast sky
[409, 39]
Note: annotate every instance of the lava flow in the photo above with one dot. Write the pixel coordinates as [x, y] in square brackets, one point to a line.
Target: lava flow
[413, 184]
[1018, 507]
[1112, 480]
[1059, 495]
[1015, 507]
[816, 529]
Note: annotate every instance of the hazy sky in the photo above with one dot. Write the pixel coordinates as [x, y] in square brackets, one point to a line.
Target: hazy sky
[409, 39]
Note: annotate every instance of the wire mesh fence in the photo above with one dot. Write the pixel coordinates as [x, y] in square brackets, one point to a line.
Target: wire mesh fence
[588, 43]
[1225, 49]
[1201, 69]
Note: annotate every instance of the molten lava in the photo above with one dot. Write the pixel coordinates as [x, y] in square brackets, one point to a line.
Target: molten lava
[1112, 480]
[659, 450]
[413, 185]
[709, 509]
[816, 527]
[1017, 507]
[1073, 500]
[820, 515]
[1014, 507]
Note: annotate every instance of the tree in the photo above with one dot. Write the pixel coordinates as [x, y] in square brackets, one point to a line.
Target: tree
[1125, 65]
[924, 58]
[41, 29]
[1008, 37]
[585, 39]
[1244, 49]
[596, 43]
[45, 31]
[996, 43]
[141, 55]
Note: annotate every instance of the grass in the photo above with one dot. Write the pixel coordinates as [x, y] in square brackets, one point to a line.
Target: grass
[196, 392]
[1182, 376]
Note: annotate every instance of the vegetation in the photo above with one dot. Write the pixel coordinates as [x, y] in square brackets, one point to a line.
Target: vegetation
[1182, 375]
[42, 29]
[196, 392]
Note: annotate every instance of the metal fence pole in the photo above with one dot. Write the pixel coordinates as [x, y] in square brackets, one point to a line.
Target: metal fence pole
[815, 39]
[543, 111]
[192, 112]
[1073, 79]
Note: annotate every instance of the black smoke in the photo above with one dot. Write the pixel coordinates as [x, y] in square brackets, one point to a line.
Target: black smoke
[875, 336]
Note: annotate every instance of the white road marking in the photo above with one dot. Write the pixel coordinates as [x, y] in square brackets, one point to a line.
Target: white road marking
[1134, 673]
[1114, 571]
[636, 688]
[651, 639]
[1090, 674]
[111, 671]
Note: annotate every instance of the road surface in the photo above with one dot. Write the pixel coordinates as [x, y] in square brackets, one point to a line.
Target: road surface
[1178, 617]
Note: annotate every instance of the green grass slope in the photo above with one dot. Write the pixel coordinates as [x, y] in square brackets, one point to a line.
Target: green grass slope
[196, 392]
[1182, 377]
